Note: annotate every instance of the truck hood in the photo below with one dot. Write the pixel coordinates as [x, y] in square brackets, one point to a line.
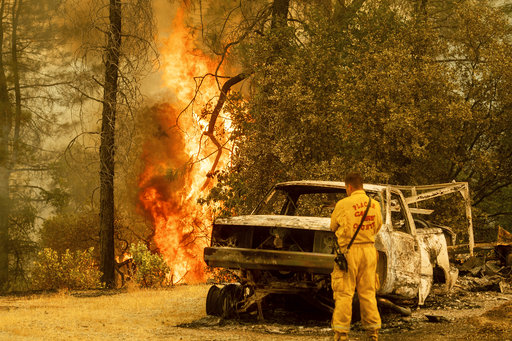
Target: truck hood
[306, 223]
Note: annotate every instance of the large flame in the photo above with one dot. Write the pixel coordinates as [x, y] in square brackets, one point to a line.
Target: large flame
[178, 158]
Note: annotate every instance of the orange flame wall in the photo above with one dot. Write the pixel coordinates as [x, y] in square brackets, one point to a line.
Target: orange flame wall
[177, 159]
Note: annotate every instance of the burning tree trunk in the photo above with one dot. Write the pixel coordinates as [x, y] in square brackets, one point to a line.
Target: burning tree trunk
[107, 147]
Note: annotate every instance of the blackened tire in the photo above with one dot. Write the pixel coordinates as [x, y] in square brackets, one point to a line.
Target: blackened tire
[213, 301]
[230, 296]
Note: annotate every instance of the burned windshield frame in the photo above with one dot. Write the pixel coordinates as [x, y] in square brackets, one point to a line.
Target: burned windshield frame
[292, 194]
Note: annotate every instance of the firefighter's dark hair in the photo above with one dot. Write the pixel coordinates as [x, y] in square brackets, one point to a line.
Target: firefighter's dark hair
[354, 179]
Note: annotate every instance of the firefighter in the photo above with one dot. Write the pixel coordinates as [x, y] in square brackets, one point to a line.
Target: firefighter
[361, 259]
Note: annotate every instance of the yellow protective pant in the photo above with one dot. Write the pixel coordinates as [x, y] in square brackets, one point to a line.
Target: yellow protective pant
[361, 275]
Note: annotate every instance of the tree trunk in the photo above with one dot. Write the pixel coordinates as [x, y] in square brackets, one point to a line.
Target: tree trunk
[279, 13]
[4, 222]
[5, 164]
[16, 9]
[107, 147]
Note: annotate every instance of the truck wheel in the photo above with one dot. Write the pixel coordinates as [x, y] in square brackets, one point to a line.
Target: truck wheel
[213, 301]
[230, 295]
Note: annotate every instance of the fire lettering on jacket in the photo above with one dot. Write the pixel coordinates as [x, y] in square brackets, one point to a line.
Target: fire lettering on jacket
[368, 217]
[365, 226]
[361, 205]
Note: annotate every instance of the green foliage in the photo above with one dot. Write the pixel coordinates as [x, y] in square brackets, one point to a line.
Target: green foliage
[69, 270]
[70, 232]
[151, 268]
[403, 94]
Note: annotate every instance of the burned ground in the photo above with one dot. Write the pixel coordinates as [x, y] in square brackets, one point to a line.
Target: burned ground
[461, 314]
[179, 314]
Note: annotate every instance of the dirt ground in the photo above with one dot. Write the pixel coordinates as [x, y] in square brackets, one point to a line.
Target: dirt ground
[179, 314]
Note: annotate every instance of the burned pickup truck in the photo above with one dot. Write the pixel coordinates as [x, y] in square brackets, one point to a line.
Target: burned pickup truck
[285, 245]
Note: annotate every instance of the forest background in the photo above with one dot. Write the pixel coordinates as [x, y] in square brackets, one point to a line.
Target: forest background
[407, 92]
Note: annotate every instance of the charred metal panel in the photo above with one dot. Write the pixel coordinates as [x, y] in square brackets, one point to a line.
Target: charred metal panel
[434, 252]
[443, 190]
[385, 272]
[236, 258]
[307, 223]
[405, 262]
[327, 185]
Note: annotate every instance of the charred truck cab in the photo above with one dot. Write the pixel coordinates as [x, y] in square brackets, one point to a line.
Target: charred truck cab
[285, 245]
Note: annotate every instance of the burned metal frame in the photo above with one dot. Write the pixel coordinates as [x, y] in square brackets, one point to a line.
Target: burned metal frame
[407, 256]
[426, 192]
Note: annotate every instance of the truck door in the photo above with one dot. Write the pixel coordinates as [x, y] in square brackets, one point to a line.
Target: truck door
[405, 255]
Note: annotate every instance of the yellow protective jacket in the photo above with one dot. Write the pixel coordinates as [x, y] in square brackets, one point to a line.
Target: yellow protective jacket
[347, 215]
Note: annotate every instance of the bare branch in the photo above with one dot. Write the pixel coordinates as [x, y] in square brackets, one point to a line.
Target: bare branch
[86, 95]
[73, 140]
[213, 119]
[48, 85]
[42, 169]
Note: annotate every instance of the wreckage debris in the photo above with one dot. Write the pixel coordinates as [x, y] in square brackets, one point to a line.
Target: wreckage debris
[489, 271]
[505, 287]
[436, 318]
[488, 276]
[385, 303]
[503, 247]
